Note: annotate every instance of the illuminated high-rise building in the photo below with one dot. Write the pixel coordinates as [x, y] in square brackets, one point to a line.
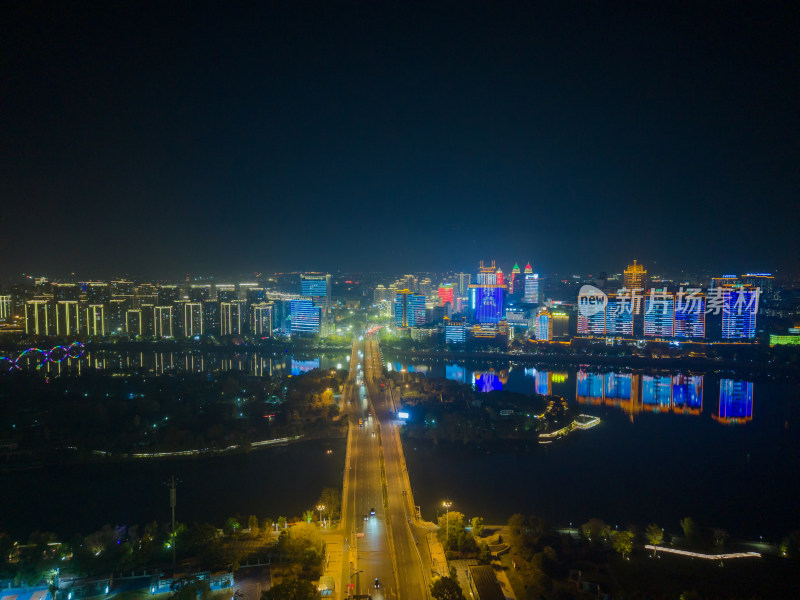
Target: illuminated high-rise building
[426, 287]
[227, 293]
[115, 315]
[544, 325]
[95, 320]
[723, 280]
[592, 325]
[133, 322]
[409, 309]
[659, 314]
[618, 317]
[122, 288]
[98, 292]
[261, 325]
[486, 296]
[167, 294]
[763, 281]
[530, 294]
[634, 279]
[6, 311]
[464, 279]
[192, 318]
[306, 318]
[735, 401]
[513, 285]
[65, 291]
[690, 316]
[317, 286]
[446, 294]
[162, 322]
[560, 323]
[37, 317]
[145, 294]
[200, 293]
[68, 318]
[499, 277]
[739, 309]
[230, 317]
[455, 332]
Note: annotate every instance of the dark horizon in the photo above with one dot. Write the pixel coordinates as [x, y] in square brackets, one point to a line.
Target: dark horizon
[153, 139]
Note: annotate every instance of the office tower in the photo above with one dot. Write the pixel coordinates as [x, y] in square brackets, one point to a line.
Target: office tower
[499, 277]
[117, 308]
[145, 294]
[211, 317]
[65, 291]
[227, 293]
[167, 294]
[517, 316]
[5, 309]
[200, 293]
[464, 279]
[317, 286]
[379, 295]
[735, 401]
[739, 309]
[723, 280]
[659, 314]
[133, 322]
[765, 282]
[634, 279]
[560, 323]
[305, 317]
[98, 292]
[68, 318]
[123, 288]
[254, 295]
[409, 282]
[618, 317]
[426, 287]
[455, 332]
[690, 316]
[230, 317]
[592, 325]
[530, 294]
[513, 285]
[246, 288]
[446, 294]
[544, 325]
[409, 309]
[162, 322]
[486, 296]
[261, 325]
[191, 318]
[37, 317]
[95, 320]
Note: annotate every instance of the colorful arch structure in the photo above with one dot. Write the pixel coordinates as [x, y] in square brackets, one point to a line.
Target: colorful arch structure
[56, 354]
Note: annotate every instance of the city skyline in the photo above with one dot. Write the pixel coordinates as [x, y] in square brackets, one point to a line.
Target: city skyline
[283, 138]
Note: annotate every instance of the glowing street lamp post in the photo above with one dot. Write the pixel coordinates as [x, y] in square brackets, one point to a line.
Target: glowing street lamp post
[447, 504]
[320, 508]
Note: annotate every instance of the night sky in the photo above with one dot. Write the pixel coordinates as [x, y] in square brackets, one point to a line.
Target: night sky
[156, 140]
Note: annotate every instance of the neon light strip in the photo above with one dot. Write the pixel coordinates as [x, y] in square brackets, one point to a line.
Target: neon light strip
[706, 556]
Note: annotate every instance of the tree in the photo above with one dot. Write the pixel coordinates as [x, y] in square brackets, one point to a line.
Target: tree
[622, 541]
[654, 535]
[308, 516]
[331, 499]
[291, 589]
[281, 522]
[232, 525]
[477, 526]
[596, 530]
[720, 537]
[689, 529]
[446, 588]
[252, 523]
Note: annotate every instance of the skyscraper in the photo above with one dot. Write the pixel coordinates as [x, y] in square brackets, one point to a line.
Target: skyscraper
[162, 322]
[95, 320]
[544, 325]
[446, 294]
[513, 285]
[464, 279]
[634, 279]
[192, 318]
[618, 317]
[305, 317]
[261, 325]
[690, 316]
[659, 314]
[409, 309]
[531, 290]
[231, 317]
[37, 317]
[317, 286]
[133, 322]
[68, 317]
[739, 309]
[5, 308]
[486, 296]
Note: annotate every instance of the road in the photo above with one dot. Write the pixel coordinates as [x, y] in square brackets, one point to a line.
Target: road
[387, 546]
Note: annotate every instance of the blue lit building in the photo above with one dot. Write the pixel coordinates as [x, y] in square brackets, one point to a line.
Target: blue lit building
[486, 302]
[690, 318]
[318, 287]
[618, 317]
[735, 401]
[455, 333]
[305, 316]
[739, 308]
[544, 325]
[659, 315]
[409, 309]
[592, 325]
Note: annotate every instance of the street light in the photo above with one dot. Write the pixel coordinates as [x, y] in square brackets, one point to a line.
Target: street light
[447, 504]
[320, 508]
